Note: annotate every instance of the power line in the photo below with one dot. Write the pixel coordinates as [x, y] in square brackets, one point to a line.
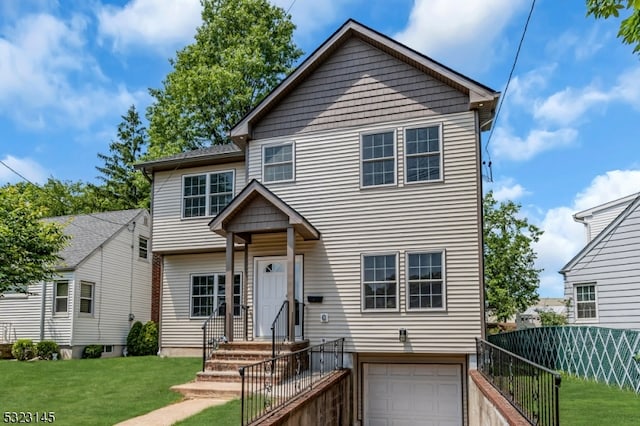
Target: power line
[504, 95]
[16, 172]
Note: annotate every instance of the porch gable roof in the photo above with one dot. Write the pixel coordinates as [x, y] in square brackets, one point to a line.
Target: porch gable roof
[245, 199]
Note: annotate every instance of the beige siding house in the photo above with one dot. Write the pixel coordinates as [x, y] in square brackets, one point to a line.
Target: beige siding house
[355, 189]
[103, 284]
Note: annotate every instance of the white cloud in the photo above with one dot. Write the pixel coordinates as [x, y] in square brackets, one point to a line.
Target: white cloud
[313, 15]
[512, 147]
[581, 46]
[460, 33]
[563, 238]
[49, 78]
[505, 190]
[26, 167]
[163, 25]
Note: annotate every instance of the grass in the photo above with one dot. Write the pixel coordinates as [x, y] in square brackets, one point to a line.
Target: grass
[94, 391]
[220, 415]
[585, 402]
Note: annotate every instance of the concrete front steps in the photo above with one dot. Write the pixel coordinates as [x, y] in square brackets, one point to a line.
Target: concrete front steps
[221, 377]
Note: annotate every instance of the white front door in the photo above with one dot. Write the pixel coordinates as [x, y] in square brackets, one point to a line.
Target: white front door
[271, 291]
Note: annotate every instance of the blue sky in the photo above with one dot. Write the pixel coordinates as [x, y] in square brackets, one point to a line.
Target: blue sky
[566, 139]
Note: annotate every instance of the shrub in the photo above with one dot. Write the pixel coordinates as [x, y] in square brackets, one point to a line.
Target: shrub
[133, 339]
[23, 349]
[92, 351]
[148, 339]
[46, 349]
[551, 318]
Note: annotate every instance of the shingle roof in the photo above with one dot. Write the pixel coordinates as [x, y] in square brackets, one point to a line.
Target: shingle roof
[193, 158]
[90, 231]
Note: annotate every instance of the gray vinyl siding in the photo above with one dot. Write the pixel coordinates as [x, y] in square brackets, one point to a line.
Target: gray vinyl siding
[601, 219]
[170, 231]
[613, 266]
[122, 285]
[359, 85]
[428, 216]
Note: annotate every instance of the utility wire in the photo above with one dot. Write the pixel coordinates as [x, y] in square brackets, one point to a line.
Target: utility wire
[504, 94]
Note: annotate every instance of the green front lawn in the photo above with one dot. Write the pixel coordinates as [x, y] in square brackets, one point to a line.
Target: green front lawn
[93, 391]
[584, 402]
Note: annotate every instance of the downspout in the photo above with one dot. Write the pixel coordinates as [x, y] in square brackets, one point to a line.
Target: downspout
[43, 309]
[483, 302]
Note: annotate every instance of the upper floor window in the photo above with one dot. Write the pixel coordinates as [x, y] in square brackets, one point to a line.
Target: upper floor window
[206, 194]
[586, 302]
[278, 163]
[425, 280]
[143, 247]
[379, 282]
[60, 296]
[378, 159]
[86, 297]
[423, 154]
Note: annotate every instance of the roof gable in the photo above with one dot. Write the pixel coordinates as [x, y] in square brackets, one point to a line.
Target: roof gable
[605, 234]
[479, 96]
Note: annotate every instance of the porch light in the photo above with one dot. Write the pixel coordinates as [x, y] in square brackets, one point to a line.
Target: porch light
[402, 336]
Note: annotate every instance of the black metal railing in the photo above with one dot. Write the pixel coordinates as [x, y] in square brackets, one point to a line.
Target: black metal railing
[270, 384]
[214, 328]
[531, 388]
[300, 317]
[280, 329]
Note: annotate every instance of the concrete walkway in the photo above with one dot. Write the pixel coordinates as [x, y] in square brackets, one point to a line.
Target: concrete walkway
[166, 416]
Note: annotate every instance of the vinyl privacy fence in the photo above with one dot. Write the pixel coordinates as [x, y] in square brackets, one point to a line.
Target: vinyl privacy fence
[607, 355]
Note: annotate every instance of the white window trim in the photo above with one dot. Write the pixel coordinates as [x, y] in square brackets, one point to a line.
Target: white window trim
[441, 142]
[55, 298]
[207, 194]
[362, 282]
[93, 299]
[293, 161]
[144, 259]
[215, 288]
[395, 158]
[444, 280]
[575, 303]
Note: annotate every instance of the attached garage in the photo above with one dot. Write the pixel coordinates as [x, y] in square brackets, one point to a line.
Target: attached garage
[412, 394]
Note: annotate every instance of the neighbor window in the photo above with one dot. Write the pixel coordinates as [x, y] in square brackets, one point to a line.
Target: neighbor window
[206, 194]
[86, 297]
[423, 154]
[278, 163]
[61, 296]
[143, 247]
[425, 280]
[586, 301]
[378, 159]
[379, 282]
[208, 292]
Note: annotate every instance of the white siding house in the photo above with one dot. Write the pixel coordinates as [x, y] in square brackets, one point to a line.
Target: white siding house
[356, 189]
[103, 284]
[603, 280]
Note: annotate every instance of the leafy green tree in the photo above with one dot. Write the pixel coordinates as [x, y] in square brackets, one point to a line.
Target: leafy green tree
[125, 188]
[241, 52]
[629, 30]
[551, 318]
[511, 279]
[28, 246]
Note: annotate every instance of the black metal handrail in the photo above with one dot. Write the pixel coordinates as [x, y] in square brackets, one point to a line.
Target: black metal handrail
[214, 330]
[271, 384]
[300, 317]
[532, 389]
[280, 329]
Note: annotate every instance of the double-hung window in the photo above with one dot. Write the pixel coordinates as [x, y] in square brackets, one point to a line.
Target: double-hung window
[206, 194]
[586, 302]
[423, 154]
[278, 162]
[86, 297]
[60, 296]
[378, 159]
[379, 282]
[208, 292]
[425, 280]
[143, 247]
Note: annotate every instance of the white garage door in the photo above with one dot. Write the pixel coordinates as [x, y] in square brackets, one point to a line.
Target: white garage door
[412, 394]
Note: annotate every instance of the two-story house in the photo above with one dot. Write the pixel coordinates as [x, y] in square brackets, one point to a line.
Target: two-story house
[355, 188]
[102, 284]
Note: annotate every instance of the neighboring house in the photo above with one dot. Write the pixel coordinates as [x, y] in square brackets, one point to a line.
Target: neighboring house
[603, 280]
[354, 187]
[531, 315]
[103, 284]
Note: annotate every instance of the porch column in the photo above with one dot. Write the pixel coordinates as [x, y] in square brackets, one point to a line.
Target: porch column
[291, 280]
[228, 287]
